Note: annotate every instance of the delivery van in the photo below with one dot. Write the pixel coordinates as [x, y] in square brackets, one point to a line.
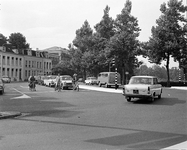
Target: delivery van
[108, 79]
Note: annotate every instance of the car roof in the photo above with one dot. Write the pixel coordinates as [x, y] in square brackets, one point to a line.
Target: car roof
[65, 76]
[143, 76]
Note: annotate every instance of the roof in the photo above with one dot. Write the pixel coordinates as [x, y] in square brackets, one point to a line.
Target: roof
[143, 76]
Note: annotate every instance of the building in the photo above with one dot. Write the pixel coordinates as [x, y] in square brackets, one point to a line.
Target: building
[20, 64]
[55, 53]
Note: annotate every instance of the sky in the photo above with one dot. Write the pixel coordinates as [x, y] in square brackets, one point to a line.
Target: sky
[48, 23]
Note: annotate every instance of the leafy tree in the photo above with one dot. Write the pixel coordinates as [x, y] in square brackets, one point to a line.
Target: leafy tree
[3, 39]
[168, 37]
[124, 44]
[18, 40]
[105, 28]
[104, 31]
[83, 43]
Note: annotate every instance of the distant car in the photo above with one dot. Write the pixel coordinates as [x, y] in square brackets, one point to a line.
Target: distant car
[91, 80]
[66, 82]
[108, 79]
[50, 81]
[142, 87]
[2, 87]
[40, 81]
[6, 79]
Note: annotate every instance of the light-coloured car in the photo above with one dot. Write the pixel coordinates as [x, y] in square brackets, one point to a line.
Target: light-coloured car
[50, 81]
[142, 87]
[91, 80]
[109, 79]
[2, 87]
[6, 79]
[66, 82]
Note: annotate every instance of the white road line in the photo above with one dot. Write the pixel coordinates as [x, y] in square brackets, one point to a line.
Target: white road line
[180, 146]
[22, 96]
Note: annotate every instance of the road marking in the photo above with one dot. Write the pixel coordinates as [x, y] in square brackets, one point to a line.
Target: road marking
[180, 146]
[22, 96]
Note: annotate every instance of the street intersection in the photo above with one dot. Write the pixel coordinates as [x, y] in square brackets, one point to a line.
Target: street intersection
[90, 119]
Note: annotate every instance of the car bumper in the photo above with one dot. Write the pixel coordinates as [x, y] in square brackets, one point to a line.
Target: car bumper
[137, 95]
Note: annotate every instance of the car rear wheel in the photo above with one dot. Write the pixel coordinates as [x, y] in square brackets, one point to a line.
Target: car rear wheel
[106, 85]
[152, 98]
[159, 96]
[128, 99]
[100, 84]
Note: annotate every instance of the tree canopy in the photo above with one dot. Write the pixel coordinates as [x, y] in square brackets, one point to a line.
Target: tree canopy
[169, 36]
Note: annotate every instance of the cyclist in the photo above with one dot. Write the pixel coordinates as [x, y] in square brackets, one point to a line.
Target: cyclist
[75, 82]
[32, 84]
[58, 83]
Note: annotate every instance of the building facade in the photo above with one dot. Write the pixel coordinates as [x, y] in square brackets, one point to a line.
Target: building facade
[20, 64]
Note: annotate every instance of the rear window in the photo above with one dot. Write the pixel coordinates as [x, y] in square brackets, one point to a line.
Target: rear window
[66, 78]
[140, 81]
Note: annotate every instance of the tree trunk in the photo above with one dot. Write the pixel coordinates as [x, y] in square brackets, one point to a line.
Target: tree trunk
[123, 73]
[167, 68]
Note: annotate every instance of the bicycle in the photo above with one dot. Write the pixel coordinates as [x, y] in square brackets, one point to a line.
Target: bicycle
[76, 86]
[58, 87]
[32, 86]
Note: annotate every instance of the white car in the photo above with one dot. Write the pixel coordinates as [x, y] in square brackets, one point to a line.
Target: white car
[142, 87]
[66, 82]
[91, 80]
[50, 81]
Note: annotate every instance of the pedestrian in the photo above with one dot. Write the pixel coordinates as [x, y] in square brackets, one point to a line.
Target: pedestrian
[58, 82]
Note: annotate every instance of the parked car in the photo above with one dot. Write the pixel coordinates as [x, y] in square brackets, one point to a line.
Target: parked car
[66, 82]
[91, 80]
[50, 81]
[142, 87]
[6, 79]
[40, 81]
[2, 87]
[108, 79]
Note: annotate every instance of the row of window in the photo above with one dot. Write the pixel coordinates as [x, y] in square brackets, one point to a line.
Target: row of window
[11, 61]
[15, 61]
[36, 64]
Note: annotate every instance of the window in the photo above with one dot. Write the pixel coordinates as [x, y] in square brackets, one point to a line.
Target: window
[20, 62]
[12, 61]
[16, 61]
[8, 60]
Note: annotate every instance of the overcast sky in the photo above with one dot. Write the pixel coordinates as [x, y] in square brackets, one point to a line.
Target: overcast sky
[48, 23]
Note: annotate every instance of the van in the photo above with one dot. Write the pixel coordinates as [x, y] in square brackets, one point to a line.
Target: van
[108, 79]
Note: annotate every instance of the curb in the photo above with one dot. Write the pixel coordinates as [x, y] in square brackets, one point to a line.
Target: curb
[10, 114]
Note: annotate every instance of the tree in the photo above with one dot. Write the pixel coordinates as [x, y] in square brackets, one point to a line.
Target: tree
[168, 36]
[123, 45]
[3, 39]
[18, 41]
[83, 42]
[104, 31]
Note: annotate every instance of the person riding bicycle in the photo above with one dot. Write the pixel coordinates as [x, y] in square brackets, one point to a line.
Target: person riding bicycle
[75, 82]
[58, 81]
[32, 84]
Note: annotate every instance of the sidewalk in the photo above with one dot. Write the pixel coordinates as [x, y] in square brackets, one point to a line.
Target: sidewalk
[9, 114]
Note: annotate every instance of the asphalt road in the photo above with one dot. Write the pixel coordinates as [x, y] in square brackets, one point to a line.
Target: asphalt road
[90, 120]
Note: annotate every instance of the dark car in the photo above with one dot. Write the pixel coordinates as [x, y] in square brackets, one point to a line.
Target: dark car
[2, 87]
[6, 79]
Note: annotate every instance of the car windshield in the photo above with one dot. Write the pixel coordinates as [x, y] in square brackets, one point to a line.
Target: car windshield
[66, 78]
[139, 80]
[93, 78]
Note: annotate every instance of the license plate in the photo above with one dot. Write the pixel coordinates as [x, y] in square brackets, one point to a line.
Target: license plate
[135, 91]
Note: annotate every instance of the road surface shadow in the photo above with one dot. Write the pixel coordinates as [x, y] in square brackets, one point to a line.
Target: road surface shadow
[142, 140]
[162, 101]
